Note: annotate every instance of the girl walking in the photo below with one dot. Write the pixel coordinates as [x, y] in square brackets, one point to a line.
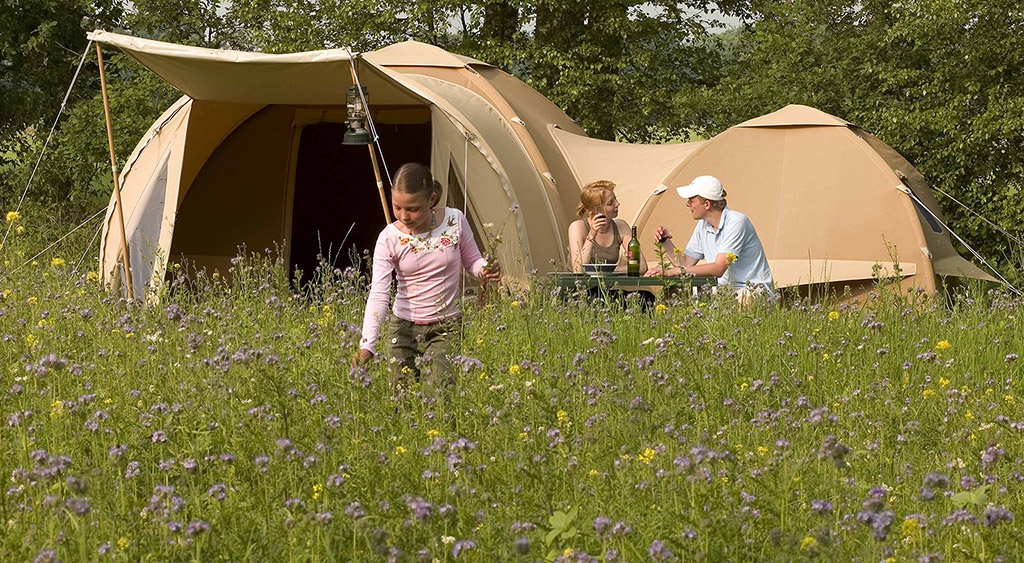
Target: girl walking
[426, 249]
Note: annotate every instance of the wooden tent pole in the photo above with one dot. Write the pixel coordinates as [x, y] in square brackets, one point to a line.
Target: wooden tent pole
[373, 158]
[380, 184]
[117, 185]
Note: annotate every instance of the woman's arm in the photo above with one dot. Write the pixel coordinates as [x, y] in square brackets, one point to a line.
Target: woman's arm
[379, 298]
[580, 245]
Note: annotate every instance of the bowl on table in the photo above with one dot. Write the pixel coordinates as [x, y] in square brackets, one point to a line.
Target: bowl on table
[599, 269]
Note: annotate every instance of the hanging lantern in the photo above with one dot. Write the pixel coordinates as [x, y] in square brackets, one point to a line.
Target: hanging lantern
[357, 133]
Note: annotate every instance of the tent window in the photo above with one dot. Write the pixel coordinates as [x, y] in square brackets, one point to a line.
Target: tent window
[928, 217]
[921, 209]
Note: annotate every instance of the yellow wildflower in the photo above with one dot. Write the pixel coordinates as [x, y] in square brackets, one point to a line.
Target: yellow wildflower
[32, 300]
[661, 309]
[122, 542]
[833, 315]
[19, 229]
[6, 293]
[92, 276]
[514, 369]
[942, 345]
[563, 417]
[809, 544]
[400, 450]
[927, 393]
[761, 450]
[56, 409]
[57, 262]
[730, 258]
[647, 456]
[31, 340]
[969, 415]
[13, 216]
[909, 526]
[514, 304]
[943, 381]
[317, 489]
[592, 473]
[1009, 399]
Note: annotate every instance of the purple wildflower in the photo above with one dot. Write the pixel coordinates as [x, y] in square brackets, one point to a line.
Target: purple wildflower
[820, 506]
[355, 511]
[79, 506]
[937, 480]
[132, 471]
[218, 491]
[462, 545]
[660, 552]
[46, 555]
[993, 515]
[421, 509]
[196, 527]
[959, 516]
[600, 523]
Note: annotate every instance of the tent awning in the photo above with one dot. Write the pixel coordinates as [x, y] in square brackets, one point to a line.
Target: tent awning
[313, 78]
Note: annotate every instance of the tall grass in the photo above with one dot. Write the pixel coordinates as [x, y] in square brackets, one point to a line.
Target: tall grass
[225, 423]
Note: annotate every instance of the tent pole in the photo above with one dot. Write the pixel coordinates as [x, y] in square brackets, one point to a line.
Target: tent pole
[117, 186]
[380, 184]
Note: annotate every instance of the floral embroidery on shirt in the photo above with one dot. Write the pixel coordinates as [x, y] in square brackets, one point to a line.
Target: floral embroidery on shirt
[435, 240]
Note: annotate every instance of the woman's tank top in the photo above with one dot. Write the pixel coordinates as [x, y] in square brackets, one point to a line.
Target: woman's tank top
[606, 254]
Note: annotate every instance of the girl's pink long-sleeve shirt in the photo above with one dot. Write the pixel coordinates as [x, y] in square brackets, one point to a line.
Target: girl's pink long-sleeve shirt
[427, 268]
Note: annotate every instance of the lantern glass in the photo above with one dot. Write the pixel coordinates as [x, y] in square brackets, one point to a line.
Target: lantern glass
[357, 133]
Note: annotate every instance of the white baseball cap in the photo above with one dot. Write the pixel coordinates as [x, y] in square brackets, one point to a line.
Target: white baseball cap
[707, 187]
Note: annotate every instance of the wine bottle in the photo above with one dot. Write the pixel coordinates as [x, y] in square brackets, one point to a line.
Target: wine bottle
[633, 255]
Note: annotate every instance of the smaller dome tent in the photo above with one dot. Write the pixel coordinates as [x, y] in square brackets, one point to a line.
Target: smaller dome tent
[830, 202]
[251, 155]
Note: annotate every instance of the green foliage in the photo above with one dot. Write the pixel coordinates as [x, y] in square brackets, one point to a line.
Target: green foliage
[224, 423]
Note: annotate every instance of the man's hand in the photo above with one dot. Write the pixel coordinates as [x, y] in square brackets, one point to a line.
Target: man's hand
[656, 270]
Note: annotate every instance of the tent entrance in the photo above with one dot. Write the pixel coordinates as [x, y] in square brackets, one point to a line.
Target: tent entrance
[336, 211]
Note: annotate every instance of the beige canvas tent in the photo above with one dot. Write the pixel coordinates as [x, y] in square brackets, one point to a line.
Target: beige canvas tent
[252, 155]
[830, 202]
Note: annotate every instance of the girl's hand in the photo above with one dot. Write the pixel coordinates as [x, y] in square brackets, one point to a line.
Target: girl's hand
[492, 271]
[361, 357]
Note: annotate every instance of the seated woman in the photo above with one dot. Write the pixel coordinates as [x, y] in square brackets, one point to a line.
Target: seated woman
[599, 237]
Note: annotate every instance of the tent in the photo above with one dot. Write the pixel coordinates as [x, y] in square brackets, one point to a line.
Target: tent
[251, 155]
[830, 202]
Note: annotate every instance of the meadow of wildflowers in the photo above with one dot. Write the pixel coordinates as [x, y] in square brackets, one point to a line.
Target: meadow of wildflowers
[225, 423]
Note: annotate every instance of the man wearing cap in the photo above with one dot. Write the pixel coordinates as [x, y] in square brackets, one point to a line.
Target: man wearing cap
[724, 238]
